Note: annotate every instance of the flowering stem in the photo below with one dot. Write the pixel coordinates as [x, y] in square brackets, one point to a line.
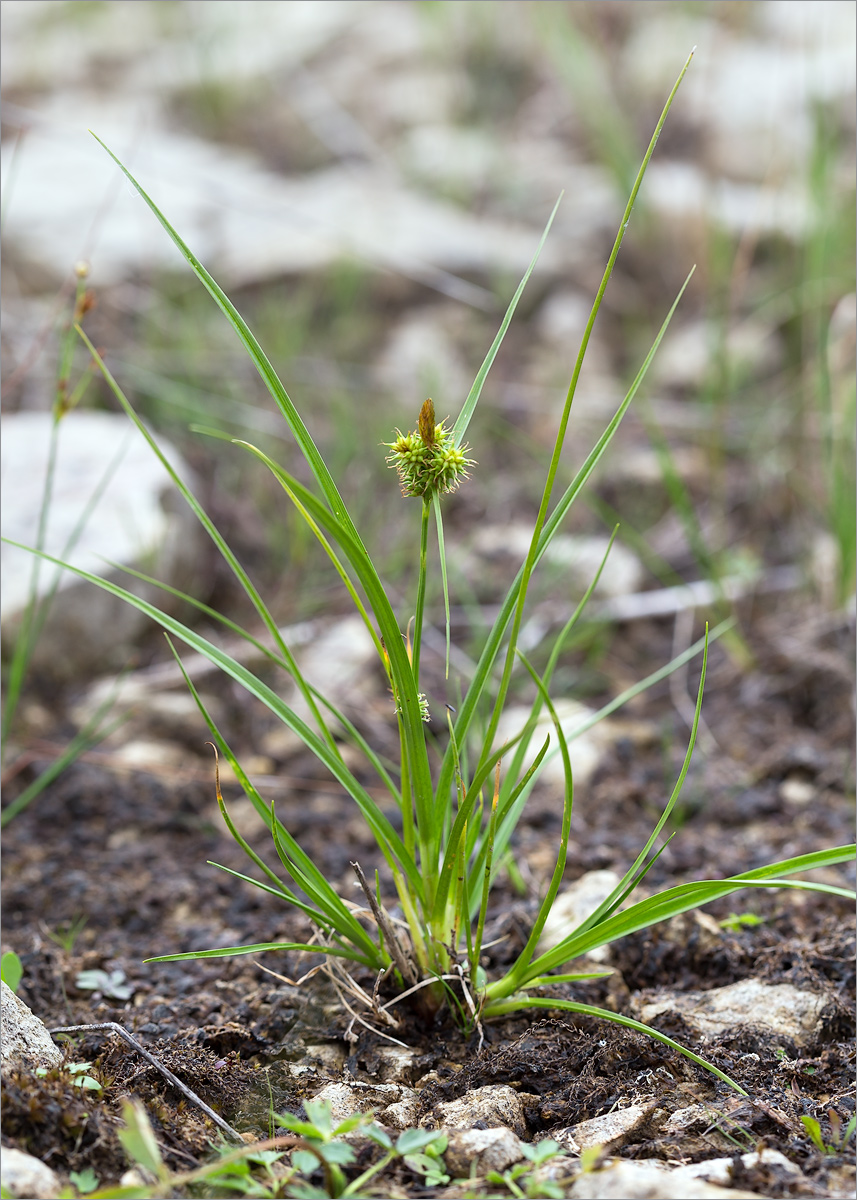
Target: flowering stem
[421, 590]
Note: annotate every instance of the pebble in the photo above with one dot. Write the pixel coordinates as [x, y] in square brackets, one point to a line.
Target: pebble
[648, 1181]
[481, 1150]
[573, 905]
[611, 1130]
[140, 521]
[789, 1011]
[25, 1177]
[25, 1038]
[494, 1105]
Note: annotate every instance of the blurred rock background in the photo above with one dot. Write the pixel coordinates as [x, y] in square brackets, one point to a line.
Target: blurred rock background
[368, 180]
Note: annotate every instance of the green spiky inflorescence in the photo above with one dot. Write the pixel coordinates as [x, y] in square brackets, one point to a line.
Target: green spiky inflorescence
[428, 460]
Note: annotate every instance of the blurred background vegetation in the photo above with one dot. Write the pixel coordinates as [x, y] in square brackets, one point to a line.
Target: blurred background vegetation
[368, 179]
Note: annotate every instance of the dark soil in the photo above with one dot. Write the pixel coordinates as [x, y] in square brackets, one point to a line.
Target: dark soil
[127, 851]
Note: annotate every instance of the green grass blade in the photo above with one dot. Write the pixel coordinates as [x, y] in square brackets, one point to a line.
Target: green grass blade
[25, 641]
[523, 959]
[442, 553]
[632, 876]
[533, 553]
[507, 816]
[388, 840]
[464, 417]
[272, 656]
[219, 541]
[400, 669]
[589, 1010]
[685, 896]
[422, 578]
[254, 350]
[556, 650]
[92, 733]
[487, 659]
[465, 811]
[261, 948]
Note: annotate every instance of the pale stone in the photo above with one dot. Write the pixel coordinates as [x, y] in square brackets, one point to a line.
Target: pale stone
[798, 792]
[787, 1010]
[610, 1131]
[695, 1117]
[580, 556]
[421, 359]
[485, 1149]
[299, 223]
[345, 1099]
[573, 905]
[647, 1181]
[339, 663]
[493, 1105]
[24, 1038]
[139, 521]
[25, 1177]
[401, 1115]
[585, 748]
[718, 1170]
[396, 1064]
[690, 352]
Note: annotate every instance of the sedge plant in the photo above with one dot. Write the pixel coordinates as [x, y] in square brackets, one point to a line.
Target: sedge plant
[454, 810]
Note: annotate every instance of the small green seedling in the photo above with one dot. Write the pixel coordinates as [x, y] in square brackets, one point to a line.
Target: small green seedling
[79, 1077]
[524, 1180]
[735, 922]
[839, 1137]
[85, 1181]
[110, 983]
[78, 1073]
[321, 1147]
[427, 1161]
[67, 932]
[11, 970]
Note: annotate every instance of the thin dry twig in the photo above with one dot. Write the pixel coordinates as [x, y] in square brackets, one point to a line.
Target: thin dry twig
[386, 925]
[115, 1027]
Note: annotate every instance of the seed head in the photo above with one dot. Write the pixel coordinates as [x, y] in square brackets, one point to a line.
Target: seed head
[428, 460]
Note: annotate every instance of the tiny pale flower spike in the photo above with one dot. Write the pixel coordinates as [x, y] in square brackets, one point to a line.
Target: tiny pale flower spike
[428, 460]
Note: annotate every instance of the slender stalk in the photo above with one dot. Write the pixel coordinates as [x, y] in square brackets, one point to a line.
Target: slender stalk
[486, 882]
[421, 590]
[441, 548]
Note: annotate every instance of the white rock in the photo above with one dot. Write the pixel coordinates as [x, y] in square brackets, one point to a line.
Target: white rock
[695, 1116]
[689, 353]
[345, 1099]
[25, 1177]
[395, 1063]
[647, 1181]
[787, 1010]
[718, 1170]
[484, 1149]
[465, 158]
[797, 792]
[340, 663]
[497, 1104]
[421, 359]
[612, 1130]
[573, 905]
[402, 1114]
[24, 1038]
[245, 222]
[585, 749]
[684, 197]
[579, 556]
[139, 521]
